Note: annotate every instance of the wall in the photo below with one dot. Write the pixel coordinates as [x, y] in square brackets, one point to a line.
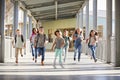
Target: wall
[57, 24]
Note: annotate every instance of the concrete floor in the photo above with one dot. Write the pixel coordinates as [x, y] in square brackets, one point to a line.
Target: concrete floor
[86, 69]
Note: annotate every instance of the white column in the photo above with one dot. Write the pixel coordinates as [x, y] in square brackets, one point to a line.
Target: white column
[25, 28]
[95, 14]
[77, 20]
[15, 16]
[117, 33]
[25, 24]
[30, 25]
[81, 18]
[87, 19]
[109, 28]
[2, 36]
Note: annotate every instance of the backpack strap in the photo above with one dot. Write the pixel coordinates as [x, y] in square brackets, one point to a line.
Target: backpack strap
[44, 37]
[15, 38]
[22, 39]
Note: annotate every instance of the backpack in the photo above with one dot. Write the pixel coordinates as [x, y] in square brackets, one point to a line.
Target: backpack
[22, 39]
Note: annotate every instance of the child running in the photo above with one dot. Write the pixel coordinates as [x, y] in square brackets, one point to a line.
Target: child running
[58, 45]
[34, 49]
[19, 44]
[78, 37]
[92, 43]
[66, 46]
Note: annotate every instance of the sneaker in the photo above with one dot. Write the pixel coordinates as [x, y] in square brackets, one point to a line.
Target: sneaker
[35, 61]
[42, 63]
[38, 55]
[61, 65]
[16, 61]
[21, 55]
[95, 60]
[74, 59]
[54, 66]
[33, 58]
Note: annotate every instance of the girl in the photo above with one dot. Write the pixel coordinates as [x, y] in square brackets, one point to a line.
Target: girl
[58, 44]
[66, 46]
[32, 39]
[78, 37]
[92, 43]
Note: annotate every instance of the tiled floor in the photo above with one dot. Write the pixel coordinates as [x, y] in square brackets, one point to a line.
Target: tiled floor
[86, 69]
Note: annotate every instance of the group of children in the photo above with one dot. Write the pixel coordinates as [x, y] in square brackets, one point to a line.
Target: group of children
[38, 39]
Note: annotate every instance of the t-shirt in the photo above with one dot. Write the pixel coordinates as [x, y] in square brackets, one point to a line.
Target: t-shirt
[66, 39]
[41, 38]
[19, 43]
[92, 41]
[59, 42]
[33, 38]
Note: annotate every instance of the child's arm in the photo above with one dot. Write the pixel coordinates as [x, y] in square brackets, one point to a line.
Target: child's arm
[54, 43]
[13, 43]
[53, 46]
[63, 43]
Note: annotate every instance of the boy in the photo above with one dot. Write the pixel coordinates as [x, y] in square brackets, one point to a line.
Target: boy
[40, 41]
[19, 41]
[58, 44]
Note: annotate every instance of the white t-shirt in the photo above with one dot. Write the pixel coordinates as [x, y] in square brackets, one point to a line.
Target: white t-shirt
[19, 43]
[92, 41]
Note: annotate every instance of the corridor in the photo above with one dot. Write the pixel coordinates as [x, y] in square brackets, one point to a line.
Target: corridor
[86, 69]
[101, 16]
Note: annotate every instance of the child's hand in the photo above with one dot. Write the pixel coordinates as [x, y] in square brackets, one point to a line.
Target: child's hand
[13, 46]
[52, 49]
[24, 46]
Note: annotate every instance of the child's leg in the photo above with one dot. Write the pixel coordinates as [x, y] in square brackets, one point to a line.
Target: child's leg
[16, 54]
[66, 51]
[32, 50]
[60, 56]
[79, 52]
[21, 52]
[56, 54]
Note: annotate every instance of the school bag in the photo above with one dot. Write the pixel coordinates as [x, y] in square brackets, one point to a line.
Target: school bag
[22, 39]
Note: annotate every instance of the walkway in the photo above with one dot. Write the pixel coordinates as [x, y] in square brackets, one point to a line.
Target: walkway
[86, 69]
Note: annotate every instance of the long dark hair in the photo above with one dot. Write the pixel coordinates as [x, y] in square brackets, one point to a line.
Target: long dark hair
[33, 30]
[91, 35]
[91, 32]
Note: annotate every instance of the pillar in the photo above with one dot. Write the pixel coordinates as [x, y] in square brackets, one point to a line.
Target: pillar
[77, 20]
[87, 19]
[117, 33]
[2, 37]
[30, 25]
[95, 14]
[109, 28]
[81, 18]
[25, 27]
[25, 24]
[16, 11]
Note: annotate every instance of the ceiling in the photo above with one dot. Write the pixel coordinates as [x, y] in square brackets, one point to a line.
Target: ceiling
[53, 9]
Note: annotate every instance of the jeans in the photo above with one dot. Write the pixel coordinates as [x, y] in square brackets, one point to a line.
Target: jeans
[58, 52]
[41, 51]
[33, 50]
[65, 51]
[78, 49]
[92, 47]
